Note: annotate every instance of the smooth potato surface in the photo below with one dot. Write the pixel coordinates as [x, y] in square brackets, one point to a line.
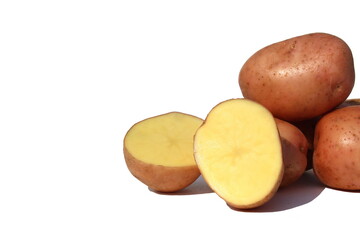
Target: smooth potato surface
[239, 155]
[161, 178]
[299, 78]
[294, 150]
[336, 160]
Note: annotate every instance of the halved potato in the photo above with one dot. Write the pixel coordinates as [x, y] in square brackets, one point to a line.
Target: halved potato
[238, 152]
[159, 151]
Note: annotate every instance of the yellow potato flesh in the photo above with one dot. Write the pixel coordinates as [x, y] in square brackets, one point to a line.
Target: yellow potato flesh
[238, 152]
[165, 140]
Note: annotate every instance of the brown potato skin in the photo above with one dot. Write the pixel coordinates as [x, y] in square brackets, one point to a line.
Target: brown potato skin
[307, 127]
[294, 149]
[301, 77]
[336, 160]
[161, 178]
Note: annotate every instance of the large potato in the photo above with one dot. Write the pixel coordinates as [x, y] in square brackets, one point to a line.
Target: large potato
[299, 78]
[336, 159]
[294, 150]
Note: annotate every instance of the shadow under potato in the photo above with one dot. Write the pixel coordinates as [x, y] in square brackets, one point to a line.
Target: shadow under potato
[303, 191]
[197, 187]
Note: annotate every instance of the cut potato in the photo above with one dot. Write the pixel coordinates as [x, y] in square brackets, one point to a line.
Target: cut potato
[238, 152]
[159, 151]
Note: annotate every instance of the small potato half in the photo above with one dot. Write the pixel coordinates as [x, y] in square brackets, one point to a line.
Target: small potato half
[159, 151]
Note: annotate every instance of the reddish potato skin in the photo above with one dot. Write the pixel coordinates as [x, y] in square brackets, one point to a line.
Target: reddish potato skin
[294, 149]
[307, 127]
[161, 178]
[299, 78]
[336, 160]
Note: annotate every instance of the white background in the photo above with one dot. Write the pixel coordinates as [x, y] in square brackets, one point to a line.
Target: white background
[76, 75]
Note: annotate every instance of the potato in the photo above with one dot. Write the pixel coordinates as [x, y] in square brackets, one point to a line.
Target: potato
[307, 127]
[301, 77]
[294, 151]
[159, 151]
[336, 160]
[238, 152]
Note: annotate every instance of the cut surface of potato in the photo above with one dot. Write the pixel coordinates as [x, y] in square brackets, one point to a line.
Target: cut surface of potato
[238, 152]
[159, 151]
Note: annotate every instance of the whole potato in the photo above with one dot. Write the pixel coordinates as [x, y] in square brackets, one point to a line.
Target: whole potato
[336, 160]
[299, 78]
[294, 149]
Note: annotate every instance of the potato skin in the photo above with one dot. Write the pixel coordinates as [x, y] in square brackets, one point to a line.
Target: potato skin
[336, 160]
[161, 178]
[294, 149]
[299, 78]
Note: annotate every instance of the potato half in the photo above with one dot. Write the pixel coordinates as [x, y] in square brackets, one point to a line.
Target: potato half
[159, 151]
[238, 152]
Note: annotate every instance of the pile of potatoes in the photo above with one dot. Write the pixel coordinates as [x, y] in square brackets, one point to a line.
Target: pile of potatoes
[304, 82]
